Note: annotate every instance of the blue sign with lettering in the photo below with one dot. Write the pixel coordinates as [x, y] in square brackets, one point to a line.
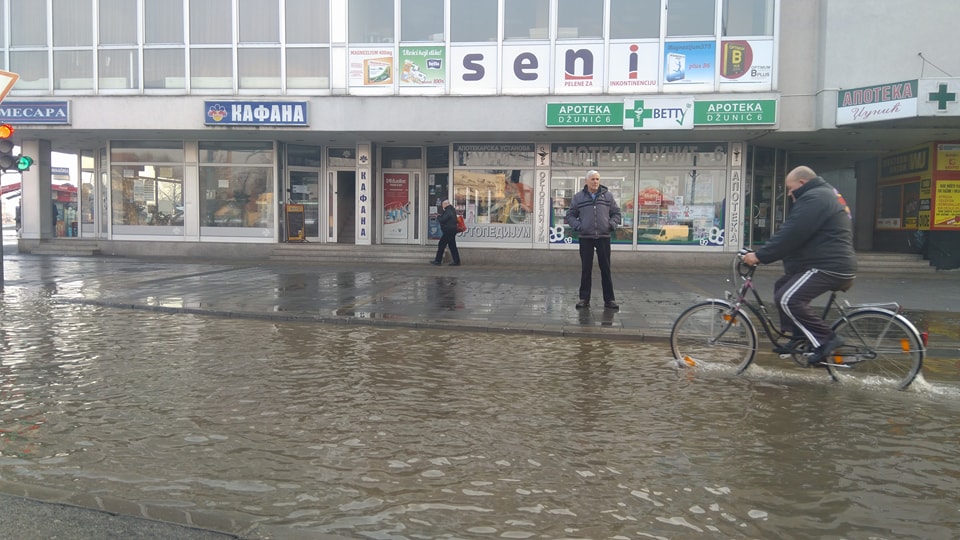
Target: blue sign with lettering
[35, 112]
[255, 113]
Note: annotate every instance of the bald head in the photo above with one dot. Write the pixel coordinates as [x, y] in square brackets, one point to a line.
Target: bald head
[798, 177]
[802, 173]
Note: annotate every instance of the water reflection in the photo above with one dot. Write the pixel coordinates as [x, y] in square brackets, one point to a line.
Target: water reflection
[400, 433]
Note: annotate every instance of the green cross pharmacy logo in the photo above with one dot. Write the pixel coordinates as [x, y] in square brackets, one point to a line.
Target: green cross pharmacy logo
[637, 114]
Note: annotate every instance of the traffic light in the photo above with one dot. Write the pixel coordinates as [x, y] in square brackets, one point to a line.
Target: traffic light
[24, 163]
[7, 159]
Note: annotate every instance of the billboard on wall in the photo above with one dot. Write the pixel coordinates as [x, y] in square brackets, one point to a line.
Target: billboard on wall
[689, 66]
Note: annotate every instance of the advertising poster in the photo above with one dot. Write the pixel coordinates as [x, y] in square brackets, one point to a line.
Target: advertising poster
[423, 67]
[634, 68]
[371, 67]
[396, 205]
[743, 62]
[689, 66]
[946, 210]
[948, 157]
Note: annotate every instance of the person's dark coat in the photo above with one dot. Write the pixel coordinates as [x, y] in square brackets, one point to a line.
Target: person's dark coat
[448, 220]
[818, 233]
[593, 217]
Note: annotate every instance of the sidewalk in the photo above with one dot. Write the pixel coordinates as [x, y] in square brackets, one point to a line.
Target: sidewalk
[466, 298]
[469, 297]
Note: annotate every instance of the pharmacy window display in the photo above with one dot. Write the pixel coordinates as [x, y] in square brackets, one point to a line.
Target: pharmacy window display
[616, 164]
[493, 191]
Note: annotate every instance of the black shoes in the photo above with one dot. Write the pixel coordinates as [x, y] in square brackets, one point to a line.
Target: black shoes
[435, 263]
[606, 305]
[790, 347]
[822, 355]
[454, 264]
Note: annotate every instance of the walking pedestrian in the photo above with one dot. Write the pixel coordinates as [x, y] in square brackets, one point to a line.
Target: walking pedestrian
[448, 227]
[593, 215]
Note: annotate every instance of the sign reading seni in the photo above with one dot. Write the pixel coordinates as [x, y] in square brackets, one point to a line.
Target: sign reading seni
[259, 113]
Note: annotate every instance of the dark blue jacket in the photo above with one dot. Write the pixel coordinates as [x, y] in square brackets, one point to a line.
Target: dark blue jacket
[448, 220]
[818, 233]
[593, 217]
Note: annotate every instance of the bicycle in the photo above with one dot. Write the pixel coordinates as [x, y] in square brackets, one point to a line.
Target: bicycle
[880, 343]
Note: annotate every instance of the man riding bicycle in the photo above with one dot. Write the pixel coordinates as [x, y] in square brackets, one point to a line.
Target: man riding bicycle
[815, 243]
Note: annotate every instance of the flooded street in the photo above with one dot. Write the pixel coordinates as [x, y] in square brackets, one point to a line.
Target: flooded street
[374, 432]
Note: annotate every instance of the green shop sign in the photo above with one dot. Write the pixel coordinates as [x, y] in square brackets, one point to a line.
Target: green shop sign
[585, 114]
[729, 113]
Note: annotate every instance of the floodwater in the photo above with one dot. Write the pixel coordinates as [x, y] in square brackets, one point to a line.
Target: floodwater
[372, 432]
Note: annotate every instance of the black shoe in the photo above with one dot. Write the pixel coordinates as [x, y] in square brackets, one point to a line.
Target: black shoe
[611, 305]
[583, 304]
[791, 346]
[454, 264]
[823, 354]
[435, 263]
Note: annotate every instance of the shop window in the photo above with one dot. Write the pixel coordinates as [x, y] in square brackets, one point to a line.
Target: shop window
[236, 185]
[681, 206]
[146, 180]
[566, 183]
[493, 189]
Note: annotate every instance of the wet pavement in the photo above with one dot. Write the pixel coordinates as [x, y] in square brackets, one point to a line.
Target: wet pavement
[481, 298]
[517, 300]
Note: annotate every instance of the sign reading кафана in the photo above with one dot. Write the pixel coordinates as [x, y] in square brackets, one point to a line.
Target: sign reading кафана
[584, 114]
[728, 113]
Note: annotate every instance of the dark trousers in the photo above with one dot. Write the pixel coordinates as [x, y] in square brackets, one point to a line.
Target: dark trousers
[793, 294]
[448, 239]
[602, 247]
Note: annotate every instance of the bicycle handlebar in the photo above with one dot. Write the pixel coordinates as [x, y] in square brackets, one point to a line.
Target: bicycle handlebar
[741, 268]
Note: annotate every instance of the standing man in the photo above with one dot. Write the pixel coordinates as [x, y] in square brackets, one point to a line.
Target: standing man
[448, 228]
[815, 244]
[594, 214]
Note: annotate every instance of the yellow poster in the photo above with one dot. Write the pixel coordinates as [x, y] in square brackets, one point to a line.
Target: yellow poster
[946, 211]
[948, 157]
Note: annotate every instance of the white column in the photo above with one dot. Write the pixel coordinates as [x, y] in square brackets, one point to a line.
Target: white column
[36, 196]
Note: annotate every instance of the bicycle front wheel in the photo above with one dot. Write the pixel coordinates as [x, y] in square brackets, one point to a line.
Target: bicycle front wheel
[709, 332]
[879, 346]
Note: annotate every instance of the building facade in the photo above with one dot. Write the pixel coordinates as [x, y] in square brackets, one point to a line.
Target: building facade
[228, 123]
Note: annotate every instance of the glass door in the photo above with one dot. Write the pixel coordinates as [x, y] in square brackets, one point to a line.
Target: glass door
[305, 190]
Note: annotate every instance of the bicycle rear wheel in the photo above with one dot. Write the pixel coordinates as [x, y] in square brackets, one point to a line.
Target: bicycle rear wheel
[707, 332]
[879, 345]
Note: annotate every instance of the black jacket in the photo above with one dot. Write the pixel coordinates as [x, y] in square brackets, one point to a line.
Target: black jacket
[818, 233]
[448, 220]
[593, 217]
